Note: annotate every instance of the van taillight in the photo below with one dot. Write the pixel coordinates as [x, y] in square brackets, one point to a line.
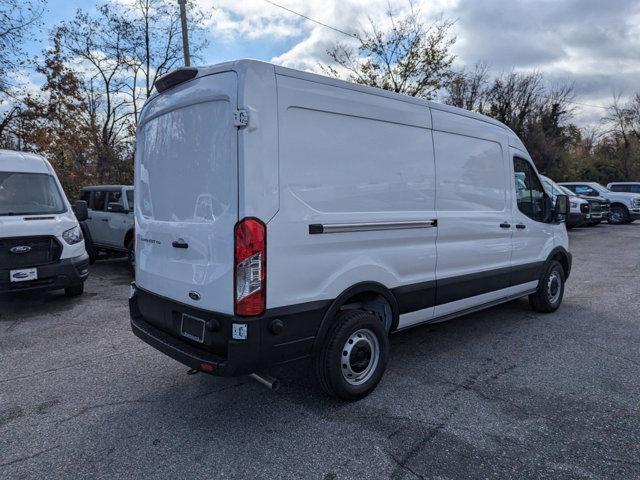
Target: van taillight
[250, 267]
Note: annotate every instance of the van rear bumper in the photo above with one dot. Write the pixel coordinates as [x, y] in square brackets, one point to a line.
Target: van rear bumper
[156, 321]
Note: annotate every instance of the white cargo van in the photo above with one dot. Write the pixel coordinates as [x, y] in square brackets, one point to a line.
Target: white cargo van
[41, 244]
[283, 215]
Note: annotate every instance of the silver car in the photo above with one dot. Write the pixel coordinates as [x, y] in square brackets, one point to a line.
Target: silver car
[109, 227]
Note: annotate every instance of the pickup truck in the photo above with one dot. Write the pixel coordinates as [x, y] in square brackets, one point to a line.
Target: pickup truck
[631, 187]
[625, 207]
[579, 212]
[109, 226]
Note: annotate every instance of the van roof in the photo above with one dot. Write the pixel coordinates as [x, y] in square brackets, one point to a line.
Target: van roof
[244, 65]
[14, 161]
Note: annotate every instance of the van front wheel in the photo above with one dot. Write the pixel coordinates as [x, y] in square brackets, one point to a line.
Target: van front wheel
[354, 355]
[550, 291]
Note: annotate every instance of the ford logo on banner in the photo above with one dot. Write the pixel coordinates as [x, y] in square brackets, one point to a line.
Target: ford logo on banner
[20, 249]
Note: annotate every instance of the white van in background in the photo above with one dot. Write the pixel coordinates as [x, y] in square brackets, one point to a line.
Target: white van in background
[284, 215]
[41, 244]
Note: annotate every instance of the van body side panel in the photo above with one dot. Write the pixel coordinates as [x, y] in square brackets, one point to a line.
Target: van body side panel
[186, 184]
[472, 201]
[258, 142]
[350, 158]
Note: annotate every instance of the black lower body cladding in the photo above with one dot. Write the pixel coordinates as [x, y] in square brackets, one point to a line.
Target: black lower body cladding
[289, 333]
[278, 336]
[65, 273]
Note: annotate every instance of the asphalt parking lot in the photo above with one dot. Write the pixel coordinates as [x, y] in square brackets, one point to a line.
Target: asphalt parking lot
[504, 393]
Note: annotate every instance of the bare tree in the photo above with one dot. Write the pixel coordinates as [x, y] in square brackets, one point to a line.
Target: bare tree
[17, 18]
[409, 57]
[100, 43]
[623, 122]
[467, 89]
[513, 97]
[156, 46]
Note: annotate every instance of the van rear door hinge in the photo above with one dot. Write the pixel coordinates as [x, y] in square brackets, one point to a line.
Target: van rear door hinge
[240, 118]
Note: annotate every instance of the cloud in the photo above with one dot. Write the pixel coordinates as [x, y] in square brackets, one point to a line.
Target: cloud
[593, 44]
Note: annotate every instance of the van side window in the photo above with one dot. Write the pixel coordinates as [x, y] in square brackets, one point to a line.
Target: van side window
[529, 191]
[550, 188]
[98, 200]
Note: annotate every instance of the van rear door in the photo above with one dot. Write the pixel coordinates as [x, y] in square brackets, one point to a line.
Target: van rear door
[186, 184]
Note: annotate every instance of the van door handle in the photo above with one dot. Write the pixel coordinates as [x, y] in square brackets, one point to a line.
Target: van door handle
[521, 226]
[179, 244]
[505, 225]
[104, 219]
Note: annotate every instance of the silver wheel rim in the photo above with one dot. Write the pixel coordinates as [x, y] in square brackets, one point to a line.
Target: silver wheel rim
[554, 287]
[360, 356]
[616, 215]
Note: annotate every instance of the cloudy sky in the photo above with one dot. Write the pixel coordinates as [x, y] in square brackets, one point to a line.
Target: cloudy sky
[593, 43]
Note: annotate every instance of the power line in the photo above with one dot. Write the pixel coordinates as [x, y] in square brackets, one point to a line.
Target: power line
[353, 35]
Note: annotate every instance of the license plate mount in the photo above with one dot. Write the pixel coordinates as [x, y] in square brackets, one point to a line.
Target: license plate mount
[192, 327]
[23, 274]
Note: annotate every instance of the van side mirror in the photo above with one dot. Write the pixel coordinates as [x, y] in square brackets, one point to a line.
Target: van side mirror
[80, 210]
[115, 207]
[561, 209]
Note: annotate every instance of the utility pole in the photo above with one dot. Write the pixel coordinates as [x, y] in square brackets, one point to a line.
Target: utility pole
[185, 34]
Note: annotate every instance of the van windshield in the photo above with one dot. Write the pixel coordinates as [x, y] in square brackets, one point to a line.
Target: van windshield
[29, 194]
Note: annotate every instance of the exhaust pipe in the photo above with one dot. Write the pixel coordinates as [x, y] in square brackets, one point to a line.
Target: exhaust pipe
[266, 380]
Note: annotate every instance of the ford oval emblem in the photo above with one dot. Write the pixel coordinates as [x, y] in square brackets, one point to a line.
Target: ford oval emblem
[194, 295]
[20, 249]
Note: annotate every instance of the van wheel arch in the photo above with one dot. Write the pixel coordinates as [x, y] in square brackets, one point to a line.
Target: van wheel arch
[370, 296]
[560, 255]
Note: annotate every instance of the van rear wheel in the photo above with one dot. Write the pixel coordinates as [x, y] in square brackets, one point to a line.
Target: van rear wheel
[550, 291]
[354, 355]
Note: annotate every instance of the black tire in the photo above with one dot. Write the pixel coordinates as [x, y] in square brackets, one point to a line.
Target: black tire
[363, 359]
[74, 291]
[618, 215]
[550, 291]
[131, 257]
[92, 251]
